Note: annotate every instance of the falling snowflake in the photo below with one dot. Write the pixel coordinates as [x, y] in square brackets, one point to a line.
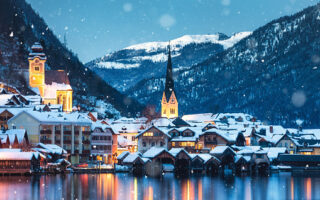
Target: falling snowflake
[127, 7]
[166, 21]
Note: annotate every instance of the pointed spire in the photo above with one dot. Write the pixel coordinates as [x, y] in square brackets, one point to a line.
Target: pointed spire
[169, 85]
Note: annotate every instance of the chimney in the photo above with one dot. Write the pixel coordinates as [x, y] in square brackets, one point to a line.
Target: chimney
[271, 129]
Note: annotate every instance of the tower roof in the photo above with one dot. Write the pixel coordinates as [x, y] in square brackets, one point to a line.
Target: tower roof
[169, 85]
[56, 76]
[37, 51]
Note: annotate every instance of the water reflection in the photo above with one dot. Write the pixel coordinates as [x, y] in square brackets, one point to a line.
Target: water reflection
[125, 186]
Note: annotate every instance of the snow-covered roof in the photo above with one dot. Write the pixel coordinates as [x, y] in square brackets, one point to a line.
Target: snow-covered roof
[18, 155]
[52, 148]
[125, 128]
[163, 130]
[154, 151]
[123, 142]
[220, 149]
[162, 122]
[20, 133]
[199, 118]
[50, 91]
[238, 157]
[133, 157]
[10, 150]
[273, 152]
[229, 135]
[123, 154]
[56, 117]
[98, 124]
[176, 151]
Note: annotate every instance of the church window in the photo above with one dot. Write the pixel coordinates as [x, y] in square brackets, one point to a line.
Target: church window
[164, 111]
[172, 111]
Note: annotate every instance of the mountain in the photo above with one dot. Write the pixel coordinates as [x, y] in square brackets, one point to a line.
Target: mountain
[20, 27]
[273, 74]
[124, 68]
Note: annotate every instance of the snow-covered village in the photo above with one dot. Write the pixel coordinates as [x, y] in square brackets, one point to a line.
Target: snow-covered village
[202, 116]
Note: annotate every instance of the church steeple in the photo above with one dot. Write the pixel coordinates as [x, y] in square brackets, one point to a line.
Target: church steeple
[169, 85]
[169, 103]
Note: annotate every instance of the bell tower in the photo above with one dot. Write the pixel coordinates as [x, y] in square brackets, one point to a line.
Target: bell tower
[37, 60]
[169, 102]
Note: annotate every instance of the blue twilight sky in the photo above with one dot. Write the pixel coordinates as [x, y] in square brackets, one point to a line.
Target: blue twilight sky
[96, 27]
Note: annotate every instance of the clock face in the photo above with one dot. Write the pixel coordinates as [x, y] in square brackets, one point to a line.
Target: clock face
[36, 66]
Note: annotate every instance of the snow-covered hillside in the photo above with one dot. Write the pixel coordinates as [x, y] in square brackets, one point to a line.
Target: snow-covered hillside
[124, 68]
[179, 43]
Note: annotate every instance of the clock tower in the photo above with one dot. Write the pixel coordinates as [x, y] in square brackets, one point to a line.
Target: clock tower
[37, 60]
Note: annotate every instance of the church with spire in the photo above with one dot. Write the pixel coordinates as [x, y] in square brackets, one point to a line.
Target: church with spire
[169, 102]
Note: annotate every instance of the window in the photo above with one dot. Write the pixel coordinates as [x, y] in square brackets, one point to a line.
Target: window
[36, 68]
[161, 144]
[144, 144]
[133, 138]
[152, 144]
[148, 134]
[173, 144]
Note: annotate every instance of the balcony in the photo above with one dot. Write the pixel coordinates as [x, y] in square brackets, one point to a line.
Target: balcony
[211, 142]
[47, 132]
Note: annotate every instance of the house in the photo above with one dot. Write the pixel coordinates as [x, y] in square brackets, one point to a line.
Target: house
[71, 131]
[127, 129]
[266, 136]
[136, 162]
[185, 137]
[225, 154]
[152, 137]
[305, 142]
[52, 152]
[19, 162]
[216, 137]
[201, 163]
[182, 161]
[103, 142]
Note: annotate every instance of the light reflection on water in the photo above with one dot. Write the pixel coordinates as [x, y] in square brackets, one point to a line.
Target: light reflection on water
[125, 186]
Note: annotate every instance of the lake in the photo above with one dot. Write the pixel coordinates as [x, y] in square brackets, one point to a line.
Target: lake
[125, 186]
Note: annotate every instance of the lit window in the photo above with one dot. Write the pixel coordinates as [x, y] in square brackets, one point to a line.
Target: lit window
[148, 134]
[173, 144]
